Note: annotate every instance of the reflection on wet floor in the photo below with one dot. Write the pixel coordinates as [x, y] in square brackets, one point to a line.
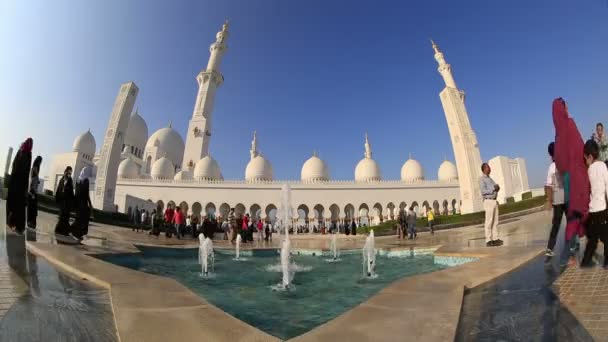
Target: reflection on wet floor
[39, 303]
[520, 306]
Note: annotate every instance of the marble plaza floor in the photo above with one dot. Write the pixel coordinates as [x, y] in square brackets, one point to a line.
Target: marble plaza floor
[506, 295]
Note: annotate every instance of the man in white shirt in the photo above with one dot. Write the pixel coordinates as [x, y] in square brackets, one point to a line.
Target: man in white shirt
[554, 189]
[597, 223]
[489, 191]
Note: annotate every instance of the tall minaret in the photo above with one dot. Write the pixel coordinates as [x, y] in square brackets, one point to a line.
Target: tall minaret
[464, 140]
[254, 146]
[199, 129]
[109, 155]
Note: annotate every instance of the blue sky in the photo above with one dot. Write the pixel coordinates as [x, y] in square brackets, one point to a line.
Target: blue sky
[307, 75]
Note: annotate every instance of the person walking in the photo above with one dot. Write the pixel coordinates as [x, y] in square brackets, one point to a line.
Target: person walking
[32, 199]
[64, 196]
[554, 190]
[225, 228]
[260, 227]
[568, 147]
[489, 191]
[353, 228]
[82, 200]
[597, 222]
[430, 216]
[602, 141]
[16, 199]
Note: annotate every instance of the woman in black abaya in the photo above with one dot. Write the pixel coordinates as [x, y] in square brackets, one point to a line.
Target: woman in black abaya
[18, 187]
[65, 198]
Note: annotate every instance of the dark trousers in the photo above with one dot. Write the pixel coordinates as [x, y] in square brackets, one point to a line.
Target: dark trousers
[559, 210]
[597, 229]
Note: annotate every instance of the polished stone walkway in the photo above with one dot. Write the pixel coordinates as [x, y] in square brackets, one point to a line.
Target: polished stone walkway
[38, 303]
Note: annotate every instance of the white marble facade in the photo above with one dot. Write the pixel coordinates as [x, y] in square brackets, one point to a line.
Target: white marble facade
[162, 168]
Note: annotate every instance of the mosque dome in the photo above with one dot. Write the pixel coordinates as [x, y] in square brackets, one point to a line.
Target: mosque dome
[128, 169]
[85, 144]
[411, 171]
[367, 170]
[170, 143]
[162, 169]
[314, 170]
[137, 132]
[447, 172]
[258, 169]
[183, 175]
[207, 169]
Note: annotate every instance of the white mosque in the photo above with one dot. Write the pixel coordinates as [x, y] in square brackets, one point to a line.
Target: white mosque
[133, 170]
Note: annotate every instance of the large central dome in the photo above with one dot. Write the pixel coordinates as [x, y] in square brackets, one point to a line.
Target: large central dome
[314, 170]
[170, 143]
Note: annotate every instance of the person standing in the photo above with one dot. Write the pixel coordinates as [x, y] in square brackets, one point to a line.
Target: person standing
[411, 223]
[602, 141]
[64, 196]
[554, 189]
[430, 216]
[233, 227]
[144, 218]
[260, 227]
[597, 222]
[179, 222]
[169, 213]
[80, 227]
[353, 228]
[489, 191]
[32, 200]
[18, 187]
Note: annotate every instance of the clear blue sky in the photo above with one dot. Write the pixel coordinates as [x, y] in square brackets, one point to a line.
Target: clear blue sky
[308, 75]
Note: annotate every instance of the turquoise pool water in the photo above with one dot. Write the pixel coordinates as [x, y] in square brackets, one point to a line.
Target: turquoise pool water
[243, 288]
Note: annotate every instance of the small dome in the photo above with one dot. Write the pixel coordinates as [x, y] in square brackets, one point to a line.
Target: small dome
[367, 170]
[258, 169]
[170, 143]
[412, 171]
[137, 132]
[447, 172]
[85, 144]
[314, 170]
[162, 169]
[128, 169]
[207, 169]
[183, 175]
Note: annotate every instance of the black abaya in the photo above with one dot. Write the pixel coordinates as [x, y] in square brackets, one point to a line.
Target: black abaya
[65, 198]
[17, 190]
[80, 227]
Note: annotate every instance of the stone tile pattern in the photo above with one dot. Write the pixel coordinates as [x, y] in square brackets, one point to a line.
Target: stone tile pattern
[8, 293]
[585, 293]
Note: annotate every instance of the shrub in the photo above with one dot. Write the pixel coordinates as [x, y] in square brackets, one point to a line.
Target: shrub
[526, 195]
[511, 200]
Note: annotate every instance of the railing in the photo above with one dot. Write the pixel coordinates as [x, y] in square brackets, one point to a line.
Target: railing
[147, 180]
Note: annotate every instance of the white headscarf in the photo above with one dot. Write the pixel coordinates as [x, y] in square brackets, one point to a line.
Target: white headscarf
[85, 173]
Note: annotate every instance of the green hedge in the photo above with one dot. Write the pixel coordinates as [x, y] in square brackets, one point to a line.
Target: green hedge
[466, 219]
[526, 195]
[510, 199]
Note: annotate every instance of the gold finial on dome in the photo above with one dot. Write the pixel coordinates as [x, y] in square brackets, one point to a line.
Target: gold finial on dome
[435, 47]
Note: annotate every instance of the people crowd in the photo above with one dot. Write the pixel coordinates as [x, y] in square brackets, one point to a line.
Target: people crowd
[576, 188]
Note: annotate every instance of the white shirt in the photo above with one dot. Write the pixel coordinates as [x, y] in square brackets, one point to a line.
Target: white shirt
[598, 177]
[556, 183]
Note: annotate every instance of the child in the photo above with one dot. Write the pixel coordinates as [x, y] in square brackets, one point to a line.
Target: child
[597, 225]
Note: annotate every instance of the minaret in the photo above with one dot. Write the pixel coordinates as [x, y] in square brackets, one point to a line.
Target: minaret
[464, 140]
[199, 129]
[368, 148]
[254, 147]
[109, 155]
